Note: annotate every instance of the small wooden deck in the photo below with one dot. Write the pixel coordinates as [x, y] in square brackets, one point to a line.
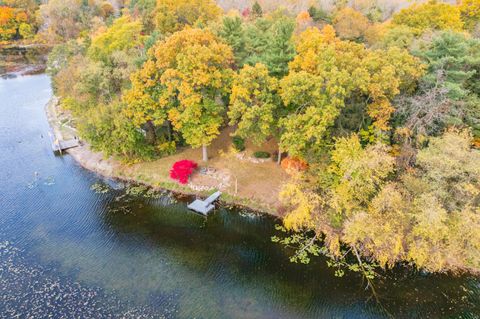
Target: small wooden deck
[59, 145]
[204, 206]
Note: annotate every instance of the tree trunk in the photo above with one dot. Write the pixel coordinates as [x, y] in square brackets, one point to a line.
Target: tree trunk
[151, 136]
[204, 153]
[279, 159]
[169, 130]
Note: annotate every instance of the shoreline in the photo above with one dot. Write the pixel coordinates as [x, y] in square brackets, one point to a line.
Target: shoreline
[16, 61]
[95, 162]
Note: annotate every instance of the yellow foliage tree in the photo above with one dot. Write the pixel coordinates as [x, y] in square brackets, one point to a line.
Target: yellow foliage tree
[431, 15]
[428, 216]
[173, 15]
[254, 103]
[326, 72]
[124, 34]
[14, 23]
[183, 81]
[470, 12]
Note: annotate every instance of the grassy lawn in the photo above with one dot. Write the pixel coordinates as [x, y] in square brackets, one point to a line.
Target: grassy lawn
[244, 181]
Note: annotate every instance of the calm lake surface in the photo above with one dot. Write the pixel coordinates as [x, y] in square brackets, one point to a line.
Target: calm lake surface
[67, 251]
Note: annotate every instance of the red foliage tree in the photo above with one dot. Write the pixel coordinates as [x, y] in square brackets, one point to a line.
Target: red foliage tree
[182, 170]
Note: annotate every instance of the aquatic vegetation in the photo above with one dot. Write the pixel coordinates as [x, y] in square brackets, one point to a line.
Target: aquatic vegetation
[50, 180]
[143, 191]
[100, 188]
[249, 214]
[29, 290]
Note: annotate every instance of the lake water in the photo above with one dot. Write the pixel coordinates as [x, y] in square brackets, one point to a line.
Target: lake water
[67, 251]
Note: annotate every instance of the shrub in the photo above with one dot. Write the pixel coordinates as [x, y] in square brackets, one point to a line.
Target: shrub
[238, 143]
[166, 148]
[182, 170]
[261, 154]
[293, 164]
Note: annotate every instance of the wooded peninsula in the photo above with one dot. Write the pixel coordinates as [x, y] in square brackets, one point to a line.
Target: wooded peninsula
[356, 122]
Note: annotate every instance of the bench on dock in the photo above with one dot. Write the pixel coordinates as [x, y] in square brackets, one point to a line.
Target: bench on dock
[204, 206]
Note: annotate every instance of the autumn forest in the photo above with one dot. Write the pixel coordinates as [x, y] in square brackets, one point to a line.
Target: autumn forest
[375, 114]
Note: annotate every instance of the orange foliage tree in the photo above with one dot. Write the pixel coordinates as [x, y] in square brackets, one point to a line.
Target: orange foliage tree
[293, 165]
[8, 23]
[350, 24]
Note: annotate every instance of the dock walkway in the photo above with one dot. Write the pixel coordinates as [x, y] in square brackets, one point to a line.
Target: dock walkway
[60, 146]
[204, 206]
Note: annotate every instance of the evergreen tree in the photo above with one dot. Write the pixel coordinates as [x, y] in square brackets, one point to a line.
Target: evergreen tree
[233, 33]
[270, 42]
[257, 11]
[457, 58]
[257, 40]
[318, 14]
[281, 49]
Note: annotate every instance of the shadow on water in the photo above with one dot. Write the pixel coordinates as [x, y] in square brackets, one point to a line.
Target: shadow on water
[123, 255]
[29, 59]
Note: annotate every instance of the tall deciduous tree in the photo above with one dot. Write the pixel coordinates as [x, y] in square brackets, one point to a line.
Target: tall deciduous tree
[110, 131]
[254, 104]
[124, 34]
[15, 22]
[8, 23]
[428, 216]
[326, 72]
[343, 188]
[431, 15]
[470, 12]
[63, 19]
[350, 24]
[173, 15]
[183, 82]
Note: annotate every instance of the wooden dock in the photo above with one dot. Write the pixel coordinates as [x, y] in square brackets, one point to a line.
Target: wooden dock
[59, 145]
[204, 206]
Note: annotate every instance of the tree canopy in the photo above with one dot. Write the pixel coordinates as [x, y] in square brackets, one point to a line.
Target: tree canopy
[183, 81]
[124, 34]
[173, 15]
[430, 15]
[326, 72]
[254, 104]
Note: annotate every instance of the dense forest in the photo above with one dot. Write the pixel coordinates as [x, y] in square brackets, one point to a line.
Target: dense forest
[379, 114]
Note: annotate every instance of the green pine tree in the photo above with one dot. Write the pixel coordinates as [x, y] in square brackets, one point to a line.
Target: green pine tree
[257, 11]
[233, 33]
[457, 58]
[281, 49]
